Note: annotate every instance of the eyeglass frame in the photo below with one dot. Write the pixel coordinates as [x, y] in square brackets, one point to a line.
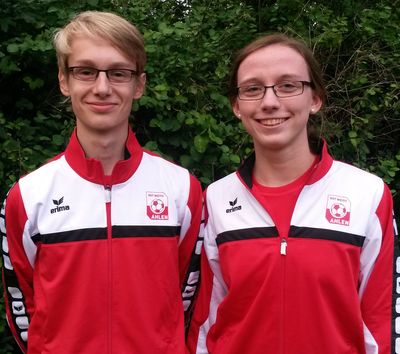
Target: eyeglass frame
[98, 71]
[303, 83]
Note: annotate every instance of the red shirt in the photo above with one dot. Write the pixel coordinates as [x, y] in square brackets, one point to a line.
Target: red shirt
[280, 201]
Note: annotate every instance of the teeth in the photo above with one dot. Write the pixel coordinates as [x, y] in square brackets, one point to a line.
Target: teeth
[272, 122]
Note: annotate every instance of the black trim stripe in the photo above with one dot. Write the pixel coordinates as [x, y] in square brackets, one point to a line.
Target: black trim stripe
[16, 311]
[191, 283]
[326, 234]
[246, 170]
[145, 231]
[99, 233]
[247, 234]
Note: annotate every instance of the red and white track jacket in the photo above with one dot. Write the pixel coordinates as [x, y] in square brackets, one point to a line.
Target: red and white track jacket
[328, 287]
[95, 264]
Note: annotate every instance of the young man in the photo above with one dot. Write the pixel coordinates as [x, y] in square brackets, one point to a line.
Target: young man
[97, 242]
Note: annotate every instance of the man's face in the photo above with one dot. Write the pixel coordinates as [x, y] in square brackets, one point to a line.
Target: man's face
[100, 106]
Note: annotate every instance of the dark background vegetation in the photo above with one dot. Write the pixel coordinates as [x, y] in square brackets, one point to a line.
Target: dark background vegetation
[185, 114]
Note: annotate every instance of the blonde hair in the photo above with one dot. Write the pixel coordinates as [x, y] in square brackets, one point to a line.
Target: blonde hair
[111, 27]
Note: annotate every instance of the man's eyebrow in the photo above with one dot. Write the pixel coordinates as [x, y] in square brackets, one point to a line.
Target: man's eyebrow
[92, 64]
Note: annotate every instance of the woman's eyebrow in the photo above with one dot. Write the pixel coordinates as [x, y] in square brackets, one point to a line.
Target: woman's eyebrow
[284, 77]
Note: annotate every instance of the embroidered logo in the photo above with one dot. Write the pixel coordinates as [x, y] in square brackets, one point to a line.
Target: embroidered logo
[233, 207]
[157, 205]
[338, 210]
[18, 308]
[59, 207]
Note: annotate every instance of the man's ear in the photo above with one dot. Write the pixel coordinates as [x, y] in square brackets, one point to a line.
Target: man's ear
[63, 82]
[140, 86]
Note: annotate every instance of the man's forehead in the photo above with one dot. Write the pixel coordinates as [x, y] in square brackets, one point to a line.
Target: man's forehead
[85, 50]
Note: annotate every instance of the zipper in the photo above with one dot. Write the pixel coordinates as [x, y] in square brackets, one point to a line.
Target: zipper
[283, 252]
[107, 190]
[283, 247]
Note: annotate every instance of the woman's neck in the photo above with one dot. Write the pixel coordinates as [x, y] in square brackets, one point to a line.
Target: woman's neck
[278, 168]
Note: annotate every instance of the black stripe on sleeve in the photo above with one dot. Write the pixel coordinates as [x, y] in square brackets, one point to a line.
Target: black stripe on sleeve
[99, 233]
[326, 234]
[246, 234]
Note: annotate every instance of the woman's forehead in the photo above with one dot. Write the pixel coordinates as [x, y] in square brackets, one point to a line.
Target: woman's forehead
[274, 61]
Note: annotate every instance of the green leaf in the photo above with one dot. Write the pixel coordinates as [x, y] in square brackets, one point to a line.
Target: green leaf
[34, 83]
[215, 138]
[58, 140]
[201, 143]
[352, 134]
[13, 48]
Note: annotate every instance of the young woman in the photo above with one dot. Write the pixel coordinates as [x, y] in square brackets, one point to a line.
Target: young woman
[299, 248]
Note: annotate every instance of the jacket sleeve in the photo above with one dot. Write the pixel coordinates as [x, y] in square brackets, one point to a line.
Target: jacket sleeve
[18, 252]
[212, 291]
[191, 240]
[378, 290]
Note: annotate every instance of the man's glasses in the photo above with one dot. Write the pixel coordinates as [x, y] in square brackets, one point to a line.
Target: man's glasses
[281, 90]
[91, 74]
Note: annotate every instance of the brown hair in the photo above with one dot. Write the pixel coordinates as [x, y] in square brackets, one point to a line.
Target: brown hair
[314, 69]
[111, 27]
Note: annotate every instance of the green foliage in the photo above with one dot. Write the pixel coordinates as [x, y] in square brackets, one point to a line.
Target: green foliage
[358, 46]
[185, 114]
[362, 73]
[184, 103]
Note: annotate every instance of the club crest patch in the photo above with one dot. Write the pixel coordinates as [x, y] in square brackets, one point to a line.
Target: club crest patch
[338, 210]
[157, 205]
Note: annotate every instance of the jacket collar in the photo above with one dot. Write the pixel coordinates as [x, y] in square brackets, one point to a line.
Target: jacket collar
[92, 170]
[245, 171]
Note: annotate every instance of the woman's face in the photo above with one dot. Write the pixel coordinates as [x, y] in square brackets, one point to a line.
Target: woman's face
[276, 123]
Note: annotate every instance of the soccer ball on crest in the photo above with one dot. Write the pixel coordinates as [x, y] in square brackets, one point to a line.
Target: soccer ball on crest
[338, 210]
[157, 206]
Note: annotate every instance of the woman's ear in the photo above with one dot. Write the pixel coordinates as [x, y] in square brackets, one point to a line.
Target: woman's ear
[316, 103]
[235, 109]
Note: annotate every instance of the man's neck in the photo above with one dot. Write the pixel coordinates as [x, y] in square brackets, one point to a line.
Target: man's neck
[108, 148]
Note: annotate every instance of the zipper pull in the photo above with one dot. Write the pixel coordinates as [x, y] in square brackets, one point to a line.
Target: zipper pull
[283, 247]
[107, 189]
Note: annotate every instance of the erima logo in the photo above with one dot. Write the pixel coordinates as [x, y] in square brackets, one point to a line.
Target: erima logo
[59, 207]
[233, 207]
